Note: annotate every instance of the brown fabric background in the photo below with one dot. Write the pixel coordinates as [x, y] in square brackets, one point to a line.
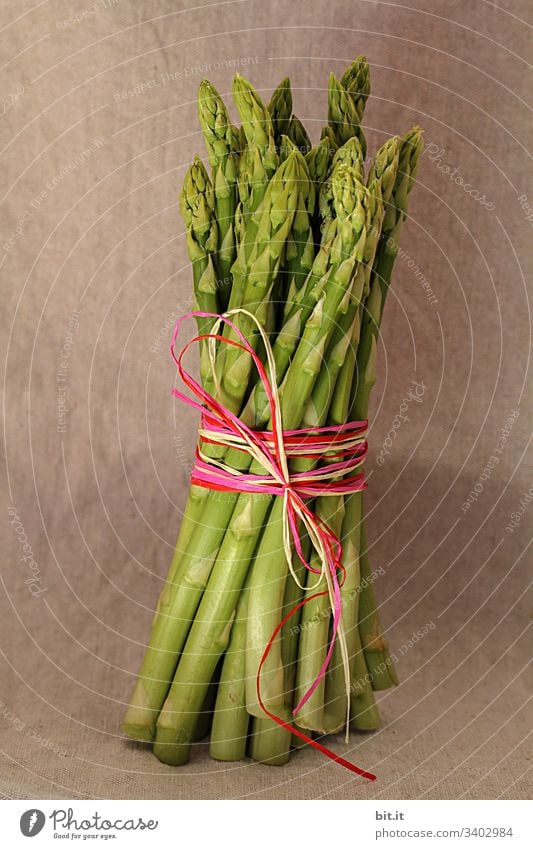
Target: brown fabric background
[91, 236]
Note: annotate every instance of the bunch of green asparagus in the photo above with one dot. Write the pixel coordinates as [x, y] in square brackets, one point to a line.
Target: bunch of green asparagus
[301, 238]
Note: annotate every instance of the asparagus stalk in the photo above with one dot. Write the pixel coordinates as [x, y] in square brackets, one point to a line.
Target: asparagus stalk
[328, 135]
[275, 748]
[259, 159]
[205, 719]
[270, 743]
[291, 629]
[346, 104]
[364, 711]
[345, 110]
[290, 638]
[356, 81]
[280, 108]
[326, 709]
[209, 633]
[314, 626]
[230, 719]
[298, 134]
[351, 155]
[221, 143]
[198, 210]
[256, 267]
[318, 161]
[256, 120]
[300, 249]
[380, 666]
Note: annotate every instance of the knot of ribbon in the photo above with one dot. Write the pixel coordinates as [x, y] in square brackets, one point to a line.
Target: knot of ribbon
[334, 455]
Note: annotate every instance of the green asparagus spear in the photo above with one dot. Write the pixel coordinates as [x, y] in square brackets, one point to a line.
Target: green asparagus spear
[231, 719]
[197, 208]
[257, 266]
[219, 135]
[346, 104]
[318, 161]
[327, 707]
[350, 154]
[300, 249]
[259, 159]
[280, 108]
[364, 713]
[298, 134]
[356, 81]
[344, 113]
[380, 666]
[396, 212]
[326, 710]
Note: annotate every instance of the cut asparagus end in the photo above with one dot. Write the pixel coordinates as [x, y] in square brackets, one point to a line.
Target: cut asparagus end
[381, 667]
[169, 750]
[364, 714]
[270, 743]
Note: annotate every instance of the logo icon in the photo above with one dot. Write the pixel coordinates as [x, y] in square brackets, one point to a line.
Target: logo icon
[32, 822]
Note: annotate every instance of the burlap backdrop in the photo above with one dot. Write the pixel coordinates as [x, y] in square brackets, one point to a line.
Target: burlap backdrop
[99, 123]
